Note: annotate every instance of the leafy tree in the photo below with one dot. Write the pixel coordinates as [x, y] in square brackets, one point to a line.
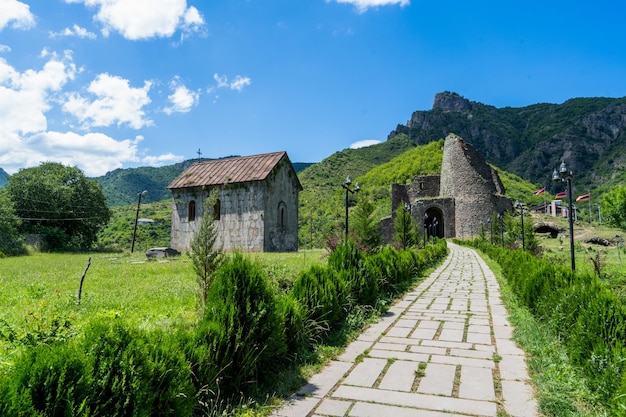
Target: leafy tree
[613, 206]
[60, 203]
[365, 225]
[10, 238]
[205, 256]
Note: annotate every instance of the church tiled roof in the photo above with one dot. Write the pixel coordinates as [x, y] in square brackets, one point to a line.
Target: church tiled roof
[229, 170]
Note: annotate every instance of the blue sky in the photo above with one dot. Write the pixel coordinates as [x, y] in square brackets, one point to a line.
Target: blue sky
[106, 84]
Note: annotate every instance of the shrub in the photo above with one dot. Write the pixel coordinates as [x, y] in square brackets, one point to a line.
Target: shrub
[324, 294]
[46, 380]
[242, 325]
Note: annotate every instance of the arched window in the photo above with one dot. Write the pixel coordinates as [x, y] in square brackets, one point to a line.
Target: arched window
[216, 209]
[282, 215]
[191, 211]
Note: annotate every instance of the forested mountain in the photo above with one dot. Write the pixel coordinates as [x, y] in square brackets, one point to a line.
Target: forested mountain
[589, 134]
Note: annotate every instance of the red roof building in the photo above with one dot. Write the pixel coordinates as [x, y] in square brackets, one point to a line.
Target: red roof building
[255, 203]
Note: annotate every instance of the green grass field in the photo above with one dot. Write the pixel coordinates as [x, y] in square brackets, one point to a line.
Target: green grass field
[40, 291]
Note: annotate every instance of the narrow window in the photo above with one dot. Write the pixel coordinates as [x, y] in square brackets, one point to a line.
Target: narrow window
[191, 211]
[216, 209]
[282, 210]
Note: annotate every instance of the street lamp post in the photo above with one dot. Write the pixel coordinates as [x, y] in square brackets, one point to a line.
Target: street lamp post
[565, 175]
[144, 192]
[356, 189]
[520, 207]
[407, 209]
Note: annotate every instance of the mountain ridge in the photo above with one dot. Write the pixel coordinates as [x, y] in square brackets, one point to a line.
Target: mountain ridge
[531, 141]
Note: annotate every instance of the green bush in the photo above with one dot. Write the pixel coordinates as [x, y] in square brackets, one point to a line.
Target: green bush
[242, 325]
[298, 332]
[346, 256]
[324, 294]
[112, 371]
[47, 381]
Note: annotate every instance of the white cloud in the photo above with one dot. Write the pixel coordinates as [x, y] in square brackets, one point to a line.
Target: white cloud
[4, 48]
[160, 160]
[363, 5]
[182, 99]
[144, 19]
[238, 82]
[24, 97]
[116, 102]
[15, 13]
[364, 143]
[75, 30]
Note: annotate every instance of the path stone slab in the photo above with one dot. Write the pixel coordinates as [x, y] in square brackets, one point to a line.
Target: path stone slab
[518, 399]
[329, 407]
[366, 373]
[439, 379]
[477, 384]
[400, 376]
[321, 383]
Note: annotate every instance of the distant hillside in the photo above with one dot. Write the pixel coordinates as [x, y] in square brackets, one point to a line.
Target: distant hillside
[122, 186]
[4, 178]
[588, 133]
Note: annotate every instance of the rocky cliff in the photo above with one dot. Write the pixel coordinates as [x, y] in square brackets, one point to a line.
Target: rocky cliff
[589, 134]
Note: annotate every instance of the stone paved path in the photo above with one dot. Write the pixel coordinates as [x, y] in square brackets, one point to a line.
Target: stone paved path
[443, 350]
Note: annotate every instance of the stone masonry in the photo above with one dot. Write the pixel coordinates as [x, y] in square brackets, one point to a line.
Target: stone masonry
[456, 203]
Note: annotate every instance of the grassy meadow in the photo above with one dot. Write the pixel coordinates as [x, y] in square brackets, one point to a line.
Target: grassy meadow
[39, 297]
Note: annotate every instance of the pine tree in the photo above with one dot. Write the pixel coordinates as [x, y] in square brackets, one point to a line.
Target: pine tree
[205, 256]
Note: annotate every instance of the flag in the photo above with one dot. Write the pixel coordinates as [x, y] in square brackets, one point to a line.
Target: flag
[583, 197]
[540, 191]
[562, 194]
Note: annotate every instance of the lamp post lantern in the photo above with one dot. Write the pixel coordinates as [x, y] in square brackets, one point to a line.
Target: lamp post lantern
[565, 175]
[356, 189]
[132, 246]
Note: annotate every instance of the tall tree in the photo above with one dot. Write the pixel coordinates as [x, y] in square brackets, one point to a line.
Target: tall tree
[365, 225]
[405, 229]
[613, 206]
[60, 203]
[10, 239]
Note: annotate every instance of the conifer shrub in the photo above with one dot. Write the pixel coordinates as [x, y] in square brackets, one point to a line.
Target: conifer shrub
[298, 331]
[324, 293]
[242, 326]
[47, 381]
[135, 373]
[346, 256]
[386, 262]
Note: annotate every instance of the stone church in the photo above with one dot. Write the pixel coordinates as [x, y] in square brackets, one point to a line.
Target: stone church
[456, 203]
[256, 208]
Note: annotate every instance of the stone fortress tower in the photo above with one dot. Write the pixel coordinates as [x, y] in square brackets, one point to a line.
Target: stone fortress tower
[456, 203]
